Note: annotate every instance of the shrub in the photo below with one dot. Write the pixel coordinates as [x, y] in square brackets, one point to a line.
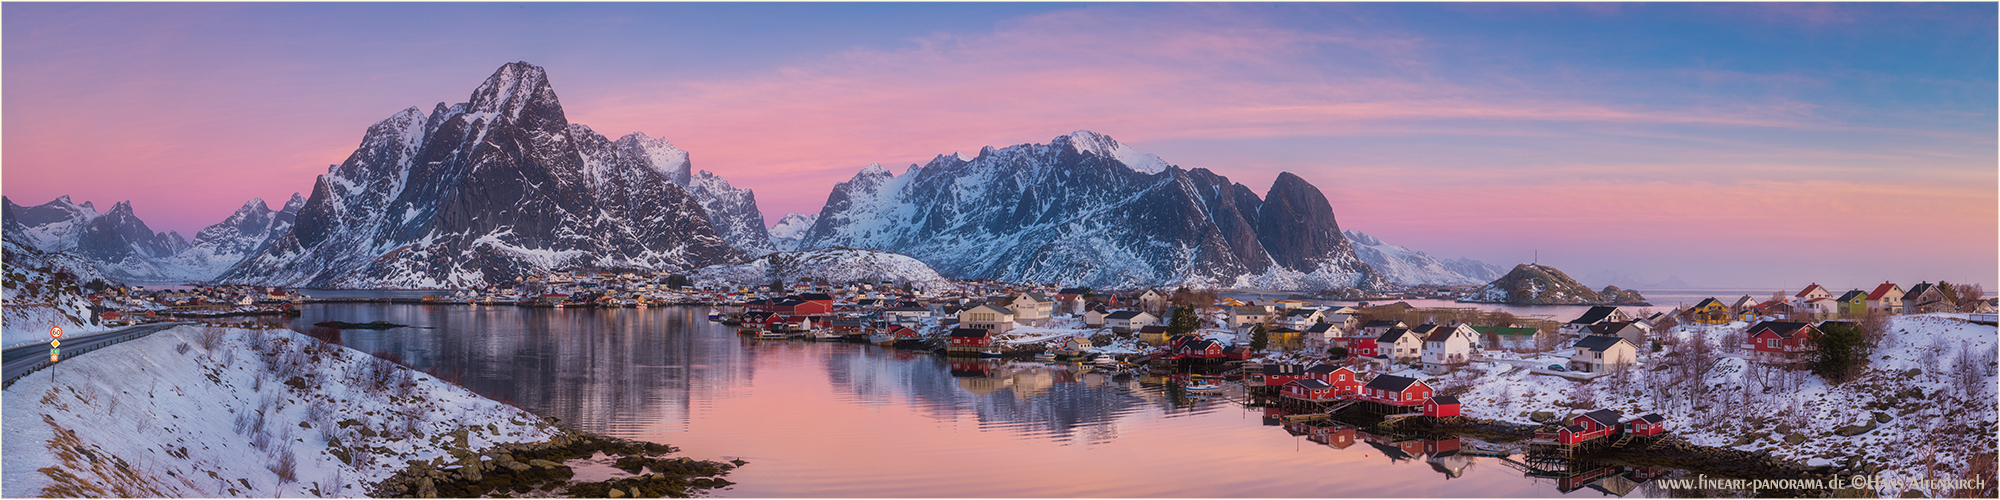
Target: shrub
[325, 334]
[286, 465]
[1844, 348]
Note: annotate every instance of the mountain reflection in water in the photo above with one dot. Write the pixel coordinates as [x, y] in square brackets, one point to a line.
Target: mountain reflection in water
[855, 420]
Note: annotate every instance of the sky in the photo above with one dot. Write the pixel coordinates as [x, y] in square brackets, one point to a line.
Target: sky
[1726, 144]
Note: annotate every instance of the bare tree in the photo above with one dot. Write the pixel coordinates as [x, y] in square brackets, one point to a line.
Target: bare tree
[1964, 295]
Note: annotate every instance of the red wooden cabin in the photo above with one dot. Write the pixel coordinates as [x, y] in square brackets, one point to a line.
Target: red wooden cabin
[1652, 424]
[1395, 390]
[970, 337]
[1344, 379]
[1278, 374]
[1780, 341]
[1441, 406]
[905, 333]
[1311, 389]
[1586, 427]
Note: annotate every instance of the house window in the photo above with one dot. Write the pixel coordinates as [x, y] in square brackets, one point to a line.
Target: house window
[1774, 343]
[1597, 355]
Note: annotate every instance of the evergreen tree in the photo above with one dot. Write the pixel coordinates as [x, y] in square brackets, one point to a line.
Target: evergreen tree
[1843, 351]
[1183, 321]
[1259, 338]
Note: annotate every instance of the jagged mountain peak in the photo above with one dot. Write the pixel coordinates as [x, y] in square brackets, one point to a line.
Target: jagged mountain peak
[1361, 237]
[513, 88]
[659, 154]
[293, 205]
[1087, 142]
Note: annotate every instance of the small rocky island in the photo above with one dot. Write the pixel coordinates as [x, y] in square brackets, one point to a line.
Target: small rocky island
[1540, 285]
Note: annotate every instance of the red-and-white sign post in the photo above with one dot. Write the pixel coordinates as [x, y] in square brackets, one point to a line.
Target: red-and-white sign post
[55, 341]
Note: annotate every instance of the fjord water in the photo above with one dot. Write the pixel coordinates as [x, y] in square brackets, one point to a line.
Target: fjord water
[854, 420]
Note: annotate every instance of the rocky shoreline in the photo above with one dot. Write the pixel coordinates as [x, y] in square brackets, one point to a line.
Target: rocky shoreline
[538, 470]
[1669, 452]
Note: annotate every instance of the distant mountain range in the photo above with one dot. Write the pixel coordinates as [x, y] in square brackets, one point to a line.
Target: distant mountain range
[503, 185]
[1625, 280]
[1537, 284]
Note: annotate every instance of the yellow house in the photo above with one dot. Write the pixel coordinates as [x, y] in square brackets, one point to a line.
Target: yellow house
[1710, 312]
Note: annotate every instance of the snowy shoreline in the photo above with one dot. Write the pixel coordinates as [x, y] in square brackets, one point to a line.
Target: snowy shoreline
[211, 412]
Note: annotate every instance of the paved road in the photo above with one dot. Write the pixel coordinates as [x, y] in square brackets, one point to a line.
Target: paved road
[21, 360]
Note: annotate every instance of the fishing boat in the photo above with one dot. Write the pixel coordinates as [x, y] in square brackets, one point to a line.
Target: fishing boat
[990, 352]
[879, 338]
[771, 335]
[827, 336]
[1045, 357]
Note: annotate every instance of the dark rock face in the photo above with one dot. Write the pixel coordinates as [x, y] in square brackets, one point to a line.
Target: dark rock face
[485, 191]
[1085, 210]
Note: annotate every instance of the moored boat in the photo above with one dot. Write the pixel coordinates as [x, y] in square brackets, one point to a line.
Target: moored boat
[826, 336]
[881, 339]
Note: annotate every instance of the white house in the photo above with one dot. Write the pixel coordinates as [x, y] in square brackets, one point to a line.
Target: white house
[1597, 314]
[1302, 319]
[1445, 346]
[1129, 321]
[1249, 315]
[1399, 344]
[1599, 353]
[986, 317]
[1032, 308]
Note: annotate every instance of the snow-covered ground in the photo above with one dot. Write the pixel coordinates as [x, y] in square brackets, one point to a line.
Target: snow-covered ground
[198, 412]
[1940, 411]
[43, 289]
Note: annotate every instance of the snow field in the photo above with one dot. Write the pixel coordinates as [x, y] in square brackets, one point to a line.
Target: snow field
[200, 412]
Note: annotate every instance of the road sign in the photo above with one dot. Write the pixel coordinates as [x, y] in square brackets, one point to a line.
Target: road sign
[53, 353]
[55, 332]
[55, 343]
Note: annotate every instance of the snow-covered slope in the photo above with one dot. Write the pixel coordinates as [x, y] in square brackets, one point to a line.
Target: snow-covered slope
[173, 415]
[1085, 210]
[732, 210]
[1930, 389]
[785, 236]
[1404, 266]
[489, 190]
[43, 289]
[830, 265]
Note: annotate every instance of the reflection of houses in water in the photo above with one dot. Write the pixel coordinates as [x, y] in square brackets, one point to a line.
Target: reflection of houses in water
[1042, 399]
[1444, 457]
[1398, 450]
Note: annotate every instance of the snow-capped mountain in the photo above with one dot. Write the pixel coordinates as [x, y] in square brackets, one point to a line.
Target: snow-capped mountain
[785, 236]
[43, 289]
[1086, 210]
[485, 191]
[733, 211]
[221, 246]
[830, 265]
[1404, 266]
[116, 241]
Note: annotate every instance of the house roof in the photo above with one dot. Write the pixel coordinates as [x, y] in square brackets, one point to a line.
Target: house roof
[1072, 291]
[1301, 313]
[1784, 329]
[1604, 417]
[1445, 400]
[1392, 335]
[815, 296]
[1852, 295]
[1381, 323]
[1706, 302]
[1391, 383]
[1608, 328]
[1242, 310]
[1441, 334]
[969, 332]
[1281, 369]
[1808, 290]
[1124, 315]
[1324, 368]
[1153, 329]
[1744, 301]
[1037, 296]
[1653, 418]
[1919, 289]
[1573, 428]
[1595, 314]
[1503, 330]
[1311, 383]
[1882, 290]
[1319, 327]
[1599, 342]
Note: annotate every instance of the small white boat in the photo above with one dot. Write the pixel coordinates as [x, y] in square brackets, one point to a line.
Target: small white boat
[771, 335]
[1203, 386]
[881, 339]
[827, 336]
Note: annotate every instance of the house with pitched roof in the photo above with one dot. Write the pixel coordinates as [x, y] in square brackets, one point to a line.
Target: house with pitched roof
[1710, 312]
[1396, 390]
[1447, 346]
[1812, 291]
[1129, 321]
[1602, 353]
[1887, 298]
[1925, 298]
[1596, 314]
[1780, 342]
[1628, 330]
[1399, 345]
[1854, 303]
[984, 316]
[1031, 308]
[1240, 316]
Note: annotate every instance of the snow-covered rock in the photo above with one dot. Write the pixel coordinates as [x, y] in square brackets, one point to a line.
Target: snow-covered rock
[786, 234]
[115, 241]
[830, 265]
[171, 415]
[1085, 210]
[1537, 284]
[489, 190]
[1404, 266]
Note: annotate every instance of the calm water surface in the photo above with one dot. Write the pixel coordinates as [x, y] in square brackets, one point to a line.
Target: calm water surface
[853, 420]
